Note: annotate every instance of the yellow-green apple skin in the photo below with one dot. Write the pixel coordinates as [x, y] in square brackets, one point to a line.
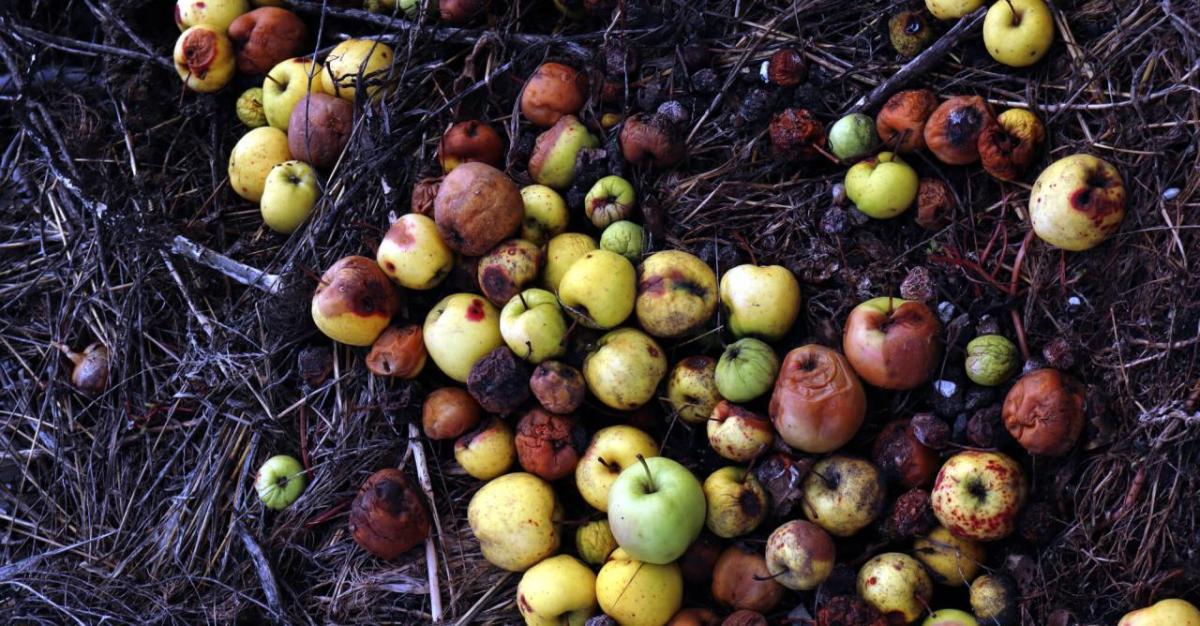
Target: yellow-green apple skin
[760, 301]
[802, 553]
[625, 238]
[638, 594]
[995, 599]
[625, 369]
[978, 495]
[737, 502]
[737, 434]
[853, 136]
[594, 541]
[676, 294]
[354, 301]
[746, 370]
[895, 583]
[952, 9]
[250, 108]
[950, 617]
[533, 326]
[413, 254]
[289, 195]
[546, 214]
[1172, 612]
[612, 450]
[561, 252]
[1018, 33]
[611, 199]
[692, 388]
[488, 451]
[951, 560]
[252, 158]
[516, 519]
[882, 187]
[598, 289]
[559, 591]
[350, 58]
[286, 84]
[553, 160]
[460, 330]
[216, 13]
[280, 481]
[1077, 202]
[656, 509]
[204, 58]
[843, 494]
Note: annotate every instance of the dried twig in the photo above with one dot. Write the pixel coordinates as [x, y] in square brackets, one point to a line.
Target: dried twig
[240, 272]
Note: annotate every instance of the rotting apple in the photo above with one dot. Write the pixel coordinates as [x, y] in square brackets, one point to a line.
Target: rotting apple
[800, 554]
[676, 294]
[612, 450]
[398, 353]
[656, 508]
[635, 593]
[460, 330]
[448, 412]
[553, 91]
[218, 14]
[280, 481]
[760, 301]
[738, 434]
[413, 254]
[843, 494]
[950, 560]
[883, 186]
[952, 131]
[499, 381]
[625, 369]
[893, 343]
[488, 451]
[558, 387]
[545, 215]
[553, 160]
[1009, 146]
[692, 388]
[736, 502]
[508, 268]
[895, 584]
[250, 108]
[204, 58]
[901, 121]
[266, 36]
[594, 542]
[319, 129]
[625, 238]
[742, 580]
[1077, 202]
[818, 403]
[561, 253]
[746, 370]
[1044, 412]
[533, 326]
[609, 200]
[477, 206]
[796, 134]
[996, 600]
[1018, 33]
[559, 590]
[389, 516]
[978, 495]
[289, 194]
[599, 289]
[910, 33]
[516, 519]
[470, 140]
[902, 457]
[355, 64]
[699, 559]
[549, 445]
[354, 301]
[652, 140]
[287, 84]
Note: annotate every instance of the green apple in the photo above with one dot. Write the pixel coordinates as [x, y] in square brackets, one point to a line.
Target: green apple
[461, 329]
[553, 160]
[895, 583]
[413, 254]
[594, 541]
[853, 137]
[737, 502]
[611, 451]
[289, 195]
[250, 108]
[280, 481]
[760, 301]
[516, 518]
[532, 325]
[625, 238]
[950, 617]
[952, 9]
[676, 294]
[635, 593]
[991, 360]
[625, 369]
[978, 494]
[1018, 33]
[802, 553]
[692, 388]
[882, 187]
[561, 253]
[609, 200]
[285, 85]
[1077, 202]
[545, 214]
[656, 509]
[354, 63]
[598, 289]
[218, 14]
[843, 494]
[746, 370]
[204, 58]
[559, 591]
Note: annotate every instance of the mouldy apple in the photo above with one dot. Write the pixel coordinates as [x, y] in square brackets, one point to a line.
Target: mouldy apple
[1044, 412]
[625, 238]
[910, 33]
[1018, 33]
[760, 301]
[204, 58]
[554, 90]
[893, 343]
[319, 128]
[460, 330]
[215, 13]
[652, 140]
[952, 132]
[558, 590]
[516, 519]
[250, 108]
[594, 541]
[676, 294]
[843, 494]
[978, 495]
[285, 85]
[742, 580]
[499, 381]
[549, 445]
[252, 158]
[746, 370]
[950, 617]
[787, 68]
[625, 369]
[533, 327]
[1077, 202]
[398, 353]
[449, 412]
[656, 508]
[545, 214]
[882, 187]
[264, 37]
[561, 253]
[737, 434]
[818, 403]
[692, 388]
[951, 560]
[991, 360]
[413, 254]
[996, 600]
[612, 450]
[280, 481]
[558, 387]
[635, 593]
[1008, 147]
[611, 199]
[553, 160]
[488, 451]
[288, 196]
[952, 9]
[470, 140]
[354, 301]
[736, 502]
[935, 204]
[902, 458]
[508, 268]
[800, 554]
[598, 289]
[895, 583]
[853, 137]
[796, 134]
[356, 63]
[477, 207]
[901, 121]
[389, 516]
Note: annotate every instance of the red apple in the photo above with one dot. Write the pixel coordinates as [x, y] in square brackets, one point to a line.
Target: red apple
[893, 343]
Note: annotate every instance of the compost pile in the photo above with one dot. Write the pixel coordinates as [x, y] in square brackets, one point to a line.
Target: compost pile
[144, 382]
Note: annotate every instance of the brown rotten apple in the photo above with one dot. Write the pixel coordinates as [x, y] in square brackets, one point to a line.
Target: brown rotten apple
[469, 141]
[952, 132]
[818, 403]
[476, 207]
[651, 139]
[265, 37]
[549, 445]
[449, 412]
[741, 580]
[901, 121]
[399, 352]
[1008, 146]
[509, 268]
[389, 515]
[354, 301]
[558, 387]
[499, 381]
[893, 343]
[1044, 412]
[902, 458]
[553, 91]
[318, 129]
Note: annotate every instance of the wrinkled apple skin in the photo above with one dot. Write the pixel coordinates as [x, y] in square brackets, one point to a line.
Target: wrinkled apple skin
[746, 370]
[625, 238]
[818, 403]
[508, 268]
[594, 541]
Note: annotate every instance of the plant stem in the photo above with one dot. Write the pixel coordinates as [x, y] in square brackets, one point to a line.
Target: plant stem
[649, 477]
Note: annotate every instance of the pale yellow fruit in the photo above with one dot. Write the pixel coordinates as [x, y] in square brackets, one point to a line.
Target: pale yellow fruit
[545, 214]
[561, 252]
[460, 330]
[252, 158]
[1172, 612]
[639, 594]
[288, 197]
[355, 63]
[952, 9]
[1018, 33]
[951, 560]
[413, 253]
[558, 591]
[598, 290]
[516, 520]
[1077, 202]
[218, 14]
[285, 85]
[204, 58]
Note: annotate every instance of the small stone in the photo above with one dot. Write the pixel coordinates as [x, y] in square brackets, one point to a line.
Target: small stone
[835, 221]
[946, 312]
[837, 193]
[1170, 193]
[674, 111]
[950, 397]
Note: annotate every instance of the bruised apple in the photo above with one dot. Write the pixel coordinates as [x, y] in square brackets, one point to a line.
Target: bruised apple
[319, 128]
[459, 331]
[902, 457]
[1077, 202]
[737, 503]
[738, 434]
[354, 301]
[677, 294]
[893, 343]
[204, 58]
[477, 207]
[389, 515]
[802, 555]
[843, 494]
[625, 369]
[508, 268]
[692, 388]
[413, 254]
[264, 37]
[553, 91]
[399, 353]
[818, 403]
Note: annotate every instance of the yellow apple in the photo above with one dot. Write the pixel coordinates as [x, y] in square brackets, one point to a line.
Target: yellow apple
[250, 108]
[561, 252]
[692, 388]
[253, 157]
[545, 214]
[952, 9]
[760, 301]
[882, 187]
[895, 583]
[215, 13]
[533, 326]
[737, 502]
[636, 593]
[354, 301]
[676, 294]
[516, 519]
[612, 450]
[1018, 33]
[594, 541]
[598, 289]
[559, 591]
[286, 84]
[460, 330]
[951, 560]
[204, 58]
[289, 195]
[413, 254]
[1171, 612]
[488, 451]
[950, 617]
[353, 63]
[1077, 202]
[996, 600]
[625, 369]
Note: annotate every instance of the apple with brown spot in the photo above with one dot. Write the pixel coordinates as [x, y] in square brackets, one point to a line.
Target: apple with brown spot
[677, 294]
[893, 343]
[738, 434]
[354, 301]
[1077, 202]
[510, 267]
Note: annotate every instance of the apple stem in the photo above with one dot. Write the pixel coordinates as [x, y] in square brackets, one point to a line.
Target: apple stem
[649, 477]
[828, 483]
[1016, 18]
[771, 577]
[521, 295]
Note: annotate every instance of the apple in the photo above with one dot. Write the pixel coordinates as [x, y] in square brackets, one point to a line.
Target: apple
[901, 456]
[508, 268]
[853, 137]
[746, 370]
[952, 9]
[266, 36]
[319, 129]
[413, 254]
[695, 617]
[611, 199]
[499, 381]
[951, 560]
[950, 617]
[389, 515]
[656, 508]
[279, 481]
[599, 289]
[477, 206]
[553, 160]
[1018, 33]
[252, 158]
[996, 600]
[1077, 202]
[742, 580]
[533, 327]
[554, 90]
[991, 360]
[882, 187]
[289, 195]
[285, 85]
[460, 330]
[635, 593]
[978, 494]
[545, 214]
[760, 301]
[896, 584]
[625, 238]
[470, 140]
[676, 294]
[738, 434]
[612, 450]
[893, 343]
[594, 541]
[1170, 612]
[354, 301]
[698, 561]
[843, 494]
[488, 451]
[559, 590]
[218, 14]
[737, 503]
[818, 403]
[250, 108]
[356, 63]
[449, 412]
[558, 387]
[625, 369]
[204, 58]
[800, 554]
[516, 520]
[561, 253]
[692, 388]
[399, 352]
